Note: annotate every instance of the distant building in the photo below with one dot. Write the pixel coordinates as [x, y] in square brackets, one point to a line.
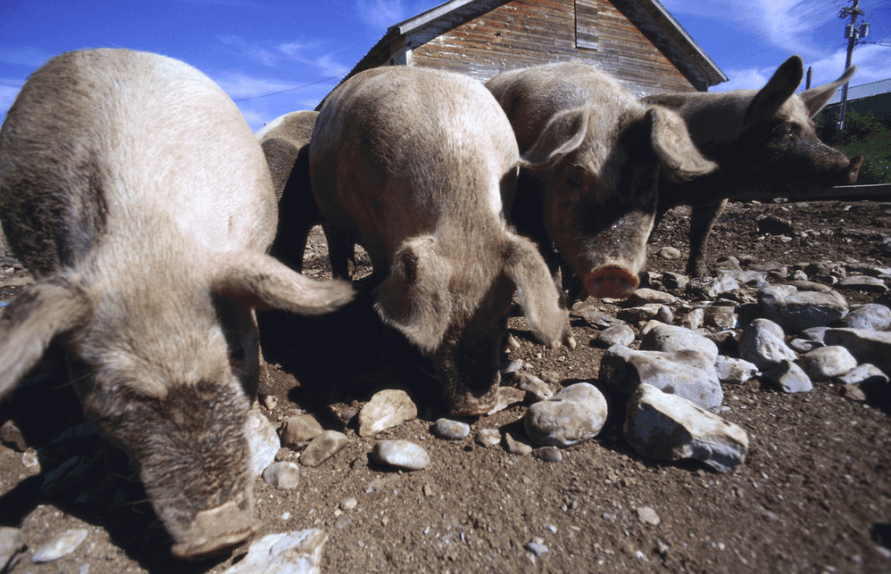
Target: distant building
[873, 97]
[637, 41]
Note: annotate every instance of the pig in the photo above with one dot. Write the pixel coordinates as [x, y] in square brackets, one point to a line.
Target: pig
[419, 166]
[285, 143]
[593, 155]
[134, 190]
[763, 141]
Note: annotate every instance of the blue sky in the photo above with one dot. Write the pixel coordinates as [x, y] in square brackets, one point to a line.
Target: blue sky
[298, 49]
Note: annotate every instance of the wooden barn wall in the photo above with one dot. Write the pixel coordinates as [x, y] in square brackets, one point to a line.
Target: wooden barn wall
[524, 33]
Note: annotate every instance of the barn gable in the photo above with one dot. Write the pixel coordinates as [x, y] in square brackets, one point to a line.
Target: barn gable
[635, 40]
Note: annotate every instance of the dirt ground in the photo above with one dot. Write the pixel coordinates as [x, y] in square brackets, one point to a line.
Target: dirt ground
[814, 494]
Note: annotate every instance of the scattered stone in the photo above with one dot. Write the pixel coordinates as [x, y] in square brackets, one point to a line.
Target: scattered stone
[537, 547]
[863, 283]
[661, 337]
[575, 414]
[749, 278]
[488, 437]
[512, 367]
[804, 345]
[827, 362]
[773, 225]
[729, 263]
[31, 460]
[349, 504]
[853, 393]
[285, 553]
[669, 253]
[675, 281]
[863, 374]
[668, 427]
[548, 454]
[616, 335]
[789, 377]
[514, 446]
[11, 436]
[735, 371]
[534, 385]
[687, 374]
[282, 475]
[270, 402]
[871, 316]
[694, 319]
[62, 545]
[639, 314]
[866, 346]
[386, 409]
[449, 429]
[297, 431]
[795, 310]
[646, 296]
[263, 441]
[761, 343]
[505, 397]
[382, 484]
[401, 454]
[665, 314]
[720, 316]
[648, 515]
[11, 543]
[323, 447]
[711, 288]
[597, 318]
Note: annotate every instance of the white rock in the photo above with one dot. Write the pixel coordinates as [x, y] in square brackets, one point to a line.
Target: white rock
[285, 553]
[323, 447]
[11, 542]
[790, 378]
[735, 371]
[488, 437]
[669, 338]
[401, 453]
[720, 316]
[297, 431]
[827, 362]
[865, 373]
[670, 253]
[386, 409]
[534, 385]
[60, 546]
[867, 346]
[575, 414]
[263, 441]
[668, 427]
[762, 344]
[644, 296]
[449, 429]
[617, 335]
[282, 475]
[795, 310]
[871, 316]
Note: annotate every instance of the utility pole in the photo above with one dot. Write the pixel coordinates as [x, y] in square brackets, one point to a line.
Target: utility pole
[852, 33]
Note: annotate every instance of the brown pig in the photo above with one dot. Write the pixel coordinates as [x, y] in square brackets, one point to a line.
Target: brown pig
[763, 141]
[134, 190]
[593, 156]
[418, 166]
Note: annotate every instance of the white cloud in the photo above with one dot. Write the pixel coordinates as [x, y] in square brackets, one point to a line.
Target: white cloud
[240, 85]
[24, 56]
[9, 90]
[381, 13]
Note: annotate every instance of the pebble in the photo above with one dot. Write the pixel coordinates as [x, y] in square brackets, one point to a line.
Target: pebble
[284, 553]
[597, 318]
[675, 281]
[323, 447]
[534, 385]
[773, 225]
[645, 296]
[282, 475]
[648, 515]
[670, 253]
[575, 414]
[548, 454]
[795, 309]
[386, 409]
[789, 377]
[60, 546]
[513, 446]
[863, 374]
[449, 429]
[863, 283]
[735, 371]
[263, 441]
[662, 337]
[537, 548]
[11, 436]
[871, 316]
[488, 437]
[749, 278]
[668, 427]
[687, 374]
[11, 542]
[761, 343]
[866, 346]
[297, 431]
[694, 319]
[827, 362]
[617, 335]
[507, 396]
[720, 316]
[401, 454]
[640, 313]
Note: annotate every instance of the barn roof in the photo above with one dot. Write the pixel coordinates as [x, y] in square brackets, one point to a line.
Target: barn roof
[863, 91]
[648, 15]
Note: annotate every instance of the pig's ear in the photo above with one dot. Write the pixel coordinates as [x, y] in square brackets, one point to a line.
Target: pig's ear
[539, 297]
[414, 298]
[816, 98]
[562, 135]
[778, 89]
[261, 281]
[38, 315]
[671, 141]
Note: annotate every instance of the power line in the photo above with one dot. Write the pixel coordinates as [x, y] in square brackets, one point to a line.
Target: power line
[322, 81]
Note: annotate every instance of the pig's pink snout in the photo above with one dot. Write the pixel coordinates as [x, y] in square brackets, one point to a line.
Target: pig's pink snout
[611, 281]
[215, 531]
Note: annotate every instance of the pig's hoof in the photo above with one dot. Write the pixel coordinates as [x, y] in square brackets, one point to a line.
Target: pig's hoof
[611, 281]
[214, 532]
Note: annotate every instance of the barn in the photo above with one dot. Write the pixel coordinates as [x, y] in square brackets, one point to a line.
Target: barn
[637, 41]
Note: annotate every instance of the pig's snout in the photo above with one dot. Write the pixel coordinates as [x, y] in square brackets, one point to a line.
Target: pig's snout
[613, 281]
[854, 168]
[215, 531]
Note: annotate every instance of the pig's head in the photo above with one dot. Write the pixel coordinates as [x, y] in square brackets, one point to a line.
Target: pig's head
[454, 308]
[766, 140]
[164, 366]
[600, 168]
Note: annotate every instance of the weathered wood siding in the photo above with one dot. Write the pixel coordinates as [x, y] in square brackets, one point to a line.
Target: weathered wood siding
[524, 33]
